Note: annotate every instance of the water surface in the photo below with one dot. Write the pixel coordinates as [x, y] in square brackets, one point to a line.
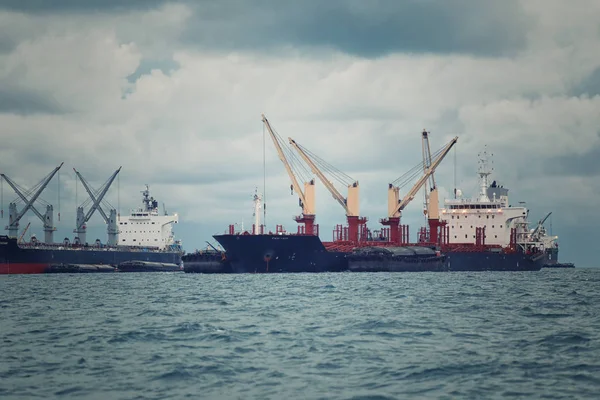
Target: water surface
[309, 336]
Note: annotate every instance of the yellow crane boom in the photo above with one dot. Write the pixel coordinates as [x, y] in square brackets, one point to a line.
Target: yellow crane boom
[23, 233]
[306, 195]
[334, 192]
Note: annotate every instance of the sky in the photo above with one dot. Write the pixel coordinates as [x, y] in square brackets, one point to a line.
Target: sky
[173, 92]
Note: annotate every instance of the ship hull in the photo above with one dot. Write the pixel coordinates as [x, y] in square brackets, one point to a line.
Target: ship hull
[280, 253]
[435, 264]
[15, 259]
[305, 253]
[493, 261]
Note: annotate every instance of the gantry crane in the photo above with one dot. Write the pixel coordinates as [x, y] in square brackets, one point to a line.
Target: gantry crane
[306, 196]
[15, 217]
[96, 197]
[350, 204]
[396, 206]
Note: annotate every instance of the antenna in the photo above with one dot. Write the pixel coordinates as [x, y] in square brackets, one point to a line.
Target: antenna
[264, 194]
[454, 172]
[76, 181]
[58, 191]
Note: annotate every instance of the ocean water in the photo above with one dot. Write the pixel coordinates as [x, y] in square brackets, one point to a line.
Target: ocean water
[305, 336]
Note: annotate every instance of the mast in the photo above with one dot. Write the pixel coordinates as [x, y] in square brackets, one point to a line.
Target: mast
[257, 208]
[484, 172]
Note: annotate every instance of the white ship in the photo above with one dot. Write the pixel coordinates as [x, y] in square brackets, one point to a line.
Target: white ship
[146, 227]
[490, 220]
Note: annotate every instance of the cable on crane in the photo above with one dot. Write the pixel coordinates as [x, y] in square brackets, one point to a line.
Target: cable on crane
[324, 166]
[414, 172]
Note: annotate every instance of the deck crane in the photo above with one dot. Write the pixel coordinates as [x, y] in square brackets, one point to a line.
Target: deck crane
[432, 210]
[23, 233]
[395, 205]
[306, 196]
[430, 183]
[539, 229]
[15, 217]
[96, 197]
[350, 204]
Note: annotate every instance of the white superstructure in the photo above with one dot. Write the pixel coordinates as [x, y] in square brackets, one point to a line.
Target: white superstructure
[491, 210]
[145, 227]
[257, 207]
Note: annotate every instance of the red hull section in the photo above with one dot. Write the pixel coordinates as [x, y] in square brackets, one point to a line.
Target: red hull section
[22, 268]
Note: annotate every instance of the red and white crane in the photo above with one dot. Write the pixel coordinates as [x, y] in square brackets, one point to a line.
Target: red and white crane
[306, 196]
[350, 204]
[396, 206]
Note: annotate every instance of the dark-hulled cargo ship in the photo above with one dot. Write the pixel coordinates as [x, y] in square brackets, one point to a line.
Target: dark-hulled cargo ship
[145, 237]
[481, 234]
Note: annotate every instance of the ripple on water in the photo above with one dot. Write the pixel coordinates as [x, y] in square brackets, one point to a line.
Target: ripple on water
[334, 336]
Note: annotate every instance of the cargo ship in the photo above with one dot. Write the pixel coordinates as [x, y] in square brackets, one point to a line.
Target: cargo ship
[485, 233]
[143, 238]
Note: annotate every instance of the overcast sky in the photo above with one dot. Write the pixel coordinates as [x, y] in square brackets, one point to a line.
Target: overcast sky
[173, 92]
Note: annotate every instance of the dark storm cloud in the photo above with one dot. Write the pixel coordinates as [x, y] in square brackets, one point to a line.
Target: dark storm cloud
[60, 6]
[146, 66]
[6, 44]
[367, 29]
[576, 165]
[26, 102]
[589, 86]
[357, 27]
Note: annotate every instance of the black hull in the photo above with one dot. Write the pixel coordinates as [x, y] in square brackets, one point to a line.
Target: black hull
[15, 259]
[559, 265]
[206, 263]
[280, 253]
[493, 261]
[304, 253]
[436, 264]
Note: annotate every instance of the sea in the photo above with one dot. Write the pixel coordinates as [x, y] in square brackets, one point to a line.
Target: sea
[484, 335]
